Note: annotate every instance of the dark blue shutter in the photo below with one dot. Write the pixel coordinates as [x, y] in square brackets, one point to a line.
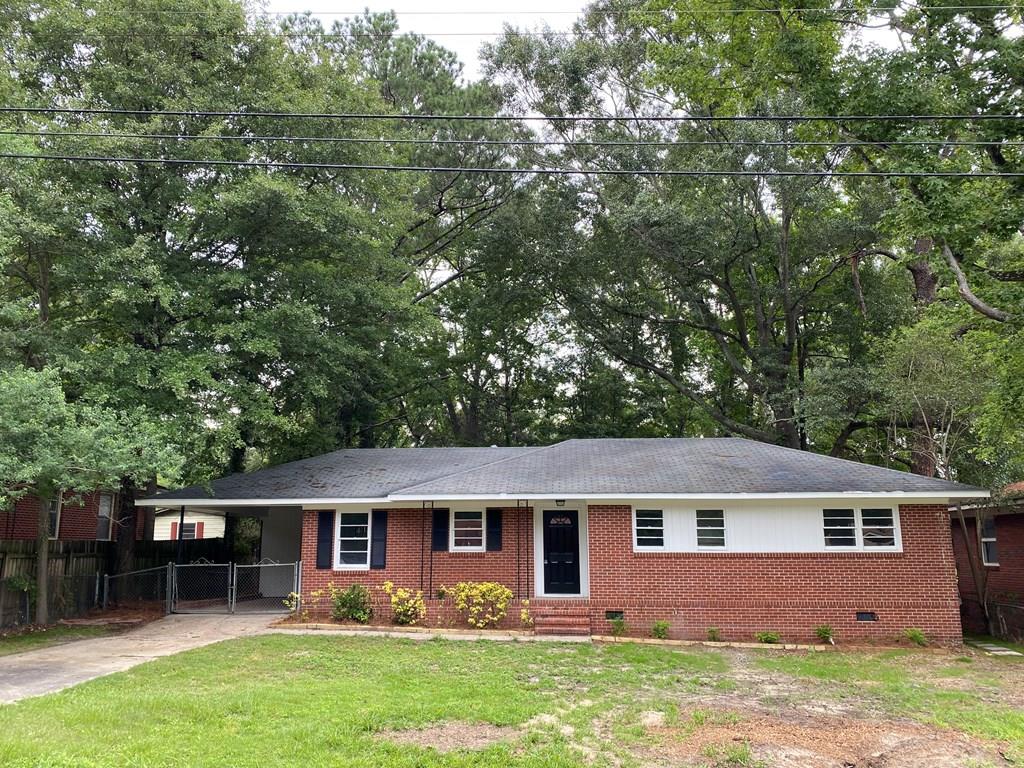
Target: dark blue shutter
[439, 534]
[379, 539]
[324, 539]
[493, 530]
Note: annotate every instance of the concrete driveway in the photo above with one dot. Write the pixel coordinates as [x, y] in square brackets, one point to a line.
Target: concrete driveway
[46, 670]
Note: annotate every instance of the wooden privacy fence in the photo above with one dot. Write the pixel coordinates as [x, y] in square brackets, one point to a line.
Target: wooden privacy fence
[76, 570]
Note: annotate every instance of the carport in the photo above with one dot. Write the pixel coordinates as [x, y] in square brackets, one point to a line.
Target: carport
[207, 577]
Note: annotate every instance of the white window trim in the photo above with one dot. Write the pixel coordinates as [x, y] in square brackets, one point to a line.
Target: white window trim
[338, 565]
[858, 531]
[981, 544]
[110, 519]
[60, 508]
[647, 547]
[195, 530]
[483, 531]
[725, 531]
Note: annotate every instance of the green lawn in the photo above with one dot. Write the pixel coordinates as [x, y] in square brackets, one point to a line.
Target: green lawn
[16, 641]
[311, 701]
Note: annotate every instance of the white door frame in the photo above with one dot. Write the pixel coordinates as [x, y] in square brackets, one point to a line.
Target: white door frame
[538, 547]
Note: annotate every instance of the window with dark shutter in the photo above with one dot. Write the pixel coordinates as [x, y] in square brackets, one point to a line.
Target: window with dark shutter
[493, 530]
[379, 539]
[439, 532]
[324, 539]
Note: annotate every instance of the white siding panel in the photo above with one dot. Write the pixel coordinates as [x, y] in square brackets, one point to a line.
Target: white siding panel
[759, 525]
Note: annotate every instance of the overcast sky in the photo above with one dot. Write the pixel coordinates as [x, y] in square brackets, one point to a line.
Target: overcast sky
[462, 25]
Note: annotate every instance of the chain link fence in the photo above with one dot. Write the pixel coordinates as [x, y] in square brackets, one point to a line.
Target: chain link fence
[264, 587]
[1008, 621]
[144, 589]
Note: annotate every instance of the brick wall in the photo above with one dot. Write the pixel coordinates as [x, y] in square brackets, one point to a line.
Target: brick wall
[738, 593]
[77, 518]
[1006, 581]
[411, 563]
[789, 593]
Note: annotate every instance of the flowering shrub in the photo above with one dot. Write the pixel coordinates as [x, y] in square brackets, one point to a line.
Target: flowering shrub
[484, 602]
[407, 607]
[524, 613]
[352, 603]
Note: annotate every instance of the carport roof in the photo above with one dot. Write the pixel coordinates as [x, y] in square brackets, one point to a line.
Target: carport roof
[600, 468]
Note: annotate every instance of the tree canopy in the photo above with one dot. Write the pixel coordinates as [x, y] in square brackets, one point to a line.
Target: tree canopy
[247, 315]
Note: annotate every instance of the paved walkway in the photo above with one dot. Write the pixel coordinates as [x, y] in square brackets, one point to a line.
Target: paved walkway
[46, 670]
[994, 650]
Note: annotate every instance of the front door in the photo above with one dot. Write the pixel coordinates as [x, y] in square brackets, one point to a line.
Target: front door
[561, 552]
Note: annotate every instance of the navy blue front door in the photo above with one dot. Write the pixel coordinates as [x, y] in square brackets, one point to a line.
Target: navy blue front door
[561, 552]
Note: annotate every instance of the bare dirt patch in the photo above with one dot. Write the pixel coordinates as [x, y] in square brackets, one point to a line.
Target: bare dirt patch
[448, 737]
[813, 741]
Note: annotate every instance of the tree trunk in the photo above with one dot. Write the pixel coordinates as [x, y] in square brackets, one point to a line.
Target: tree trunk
[127, 521]
[922, 444]
[43, 562]
[978, 574]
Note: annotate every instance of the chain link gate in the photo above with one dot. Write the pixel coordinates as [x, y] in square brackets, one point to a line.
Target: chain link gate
[264, 586]
[205, 587]
[202, 587]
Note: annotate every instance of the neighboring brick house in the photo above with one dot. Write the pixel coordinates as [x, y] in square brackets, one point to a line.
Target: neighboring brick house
[726, 533]
[996, 535]
[73, 517]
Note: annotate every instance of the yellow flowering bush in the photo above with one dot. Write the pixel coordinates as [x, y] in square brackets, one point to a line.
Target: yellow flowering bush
[484, 602]
[407, 607]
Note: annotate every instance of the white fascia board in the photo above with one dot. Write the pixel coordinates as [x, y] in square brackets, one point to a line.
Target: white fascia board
[172, 503]
[399, 497]
[904, 495]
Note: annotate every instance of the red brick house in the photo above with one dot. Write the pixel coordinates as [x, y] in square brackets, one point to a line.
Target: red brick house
[995, 531]
[725, 533]
[83, 517]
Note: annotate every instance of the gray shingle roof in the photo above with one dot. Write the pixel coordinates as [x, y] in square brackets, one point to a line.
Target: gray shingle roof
[358, 473]
[677, 466]
[574, 468]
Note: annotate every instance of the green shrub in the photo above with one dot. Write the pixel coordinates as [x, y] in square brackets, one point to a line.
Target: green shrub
[660, 629]
[485, 603]
[352, 604]
[824, 633]
[407, 607]
[769, 638]
[916, 636]
[619, 627]
[714, 634]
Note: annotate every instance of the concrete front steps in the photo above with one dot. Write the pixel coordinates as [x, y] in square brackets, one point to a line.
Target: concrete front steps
[565, 621]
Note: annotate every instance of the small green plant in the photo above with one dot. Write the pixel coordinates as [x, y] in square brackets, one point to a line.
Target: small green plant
[769, 638]
[732, 756]
[714, 634]
[824, 633]
[916, 636]
[442, 592]
[660, 629]
[407, 607]
[485, 603]
[619, 627]
[352, 604]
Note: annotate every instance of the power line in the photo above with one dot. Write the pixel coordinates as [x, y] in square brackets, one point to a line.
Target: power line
[596, 12]
[523, 171]
[502, 118]
[512, 142]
